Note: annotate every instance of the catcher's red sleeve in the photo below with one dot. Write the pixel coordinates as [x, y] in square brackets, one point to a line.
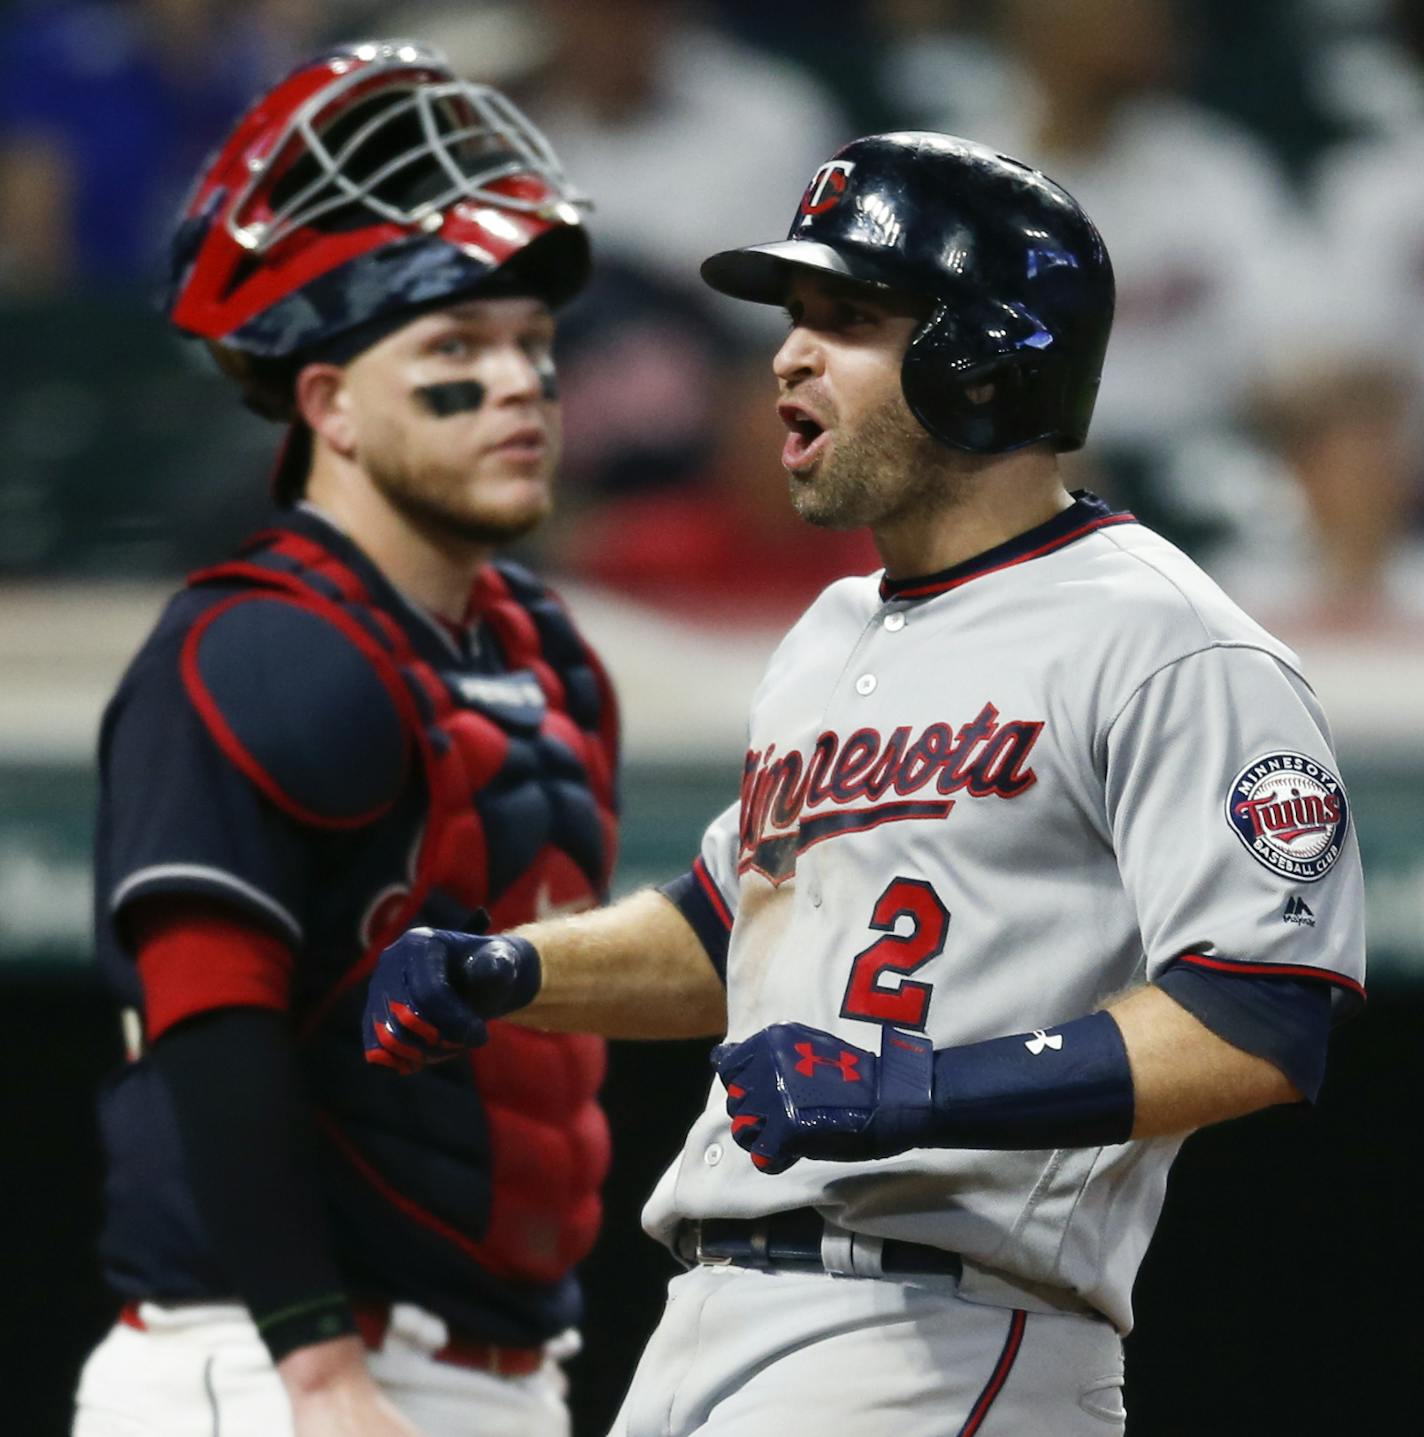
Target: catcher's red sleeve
[194, 957]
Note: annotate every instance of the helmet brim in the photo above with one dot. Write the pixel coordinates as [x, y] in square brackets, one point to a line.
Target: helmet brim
[761, 273]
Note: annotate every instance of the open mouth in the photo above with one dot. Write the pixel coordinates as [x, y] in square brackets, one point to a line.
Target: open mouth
[806, 438]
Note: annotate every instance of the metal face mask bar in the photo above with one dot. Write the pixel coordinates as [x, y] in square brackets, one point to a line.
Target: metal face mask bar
[471, 132]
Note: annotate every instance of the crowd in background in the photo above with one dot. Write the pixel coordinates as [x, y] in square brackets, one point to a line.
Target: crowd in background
[1257, 171]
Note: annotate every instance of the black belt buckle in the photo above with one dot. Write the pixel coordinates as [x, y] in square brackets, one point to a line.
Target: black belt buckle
[794, 1239]
[804, 1241]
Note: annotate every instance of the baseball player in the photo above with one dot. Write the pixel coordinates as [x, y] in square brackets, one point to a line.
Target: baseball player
[1042, 860]
[361, 723]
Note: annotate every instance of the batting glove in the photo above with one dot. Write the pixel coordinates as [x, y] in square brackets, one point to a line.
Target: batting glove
[434, 989]
[796, 1092]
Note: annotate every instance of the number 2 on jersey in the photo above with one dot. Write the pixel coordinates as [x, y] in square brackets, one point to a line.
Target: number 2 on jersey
[902, 953]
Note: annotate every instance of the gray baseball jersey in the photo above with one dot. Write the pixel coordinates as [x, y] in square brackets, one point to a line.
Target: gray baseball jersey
[986, 803]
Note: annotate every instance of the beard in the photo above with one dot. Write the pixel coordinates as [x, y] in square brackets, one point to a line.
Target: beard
[885, 469]
[447, 512]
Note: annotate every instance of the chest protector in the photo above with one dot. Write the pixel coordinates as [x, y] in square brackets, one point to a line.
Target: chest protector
[543, 1144]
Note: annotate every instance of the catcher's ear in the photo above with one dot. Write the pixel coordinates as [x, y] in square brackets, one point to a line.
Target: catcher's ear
[324, 402]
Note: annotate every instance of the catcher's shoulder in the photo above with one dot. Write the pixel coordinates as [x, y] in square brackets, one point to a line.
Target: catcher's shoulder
[300, 705]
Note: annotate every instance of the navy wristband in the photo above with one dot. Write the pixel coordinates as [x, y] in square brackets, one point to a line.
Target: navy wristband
[904, 1094]
[1065, 1087]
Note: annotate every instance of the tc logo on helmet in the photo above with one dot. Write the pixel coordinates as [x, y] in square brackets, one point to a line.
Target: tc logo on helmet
[827, 187]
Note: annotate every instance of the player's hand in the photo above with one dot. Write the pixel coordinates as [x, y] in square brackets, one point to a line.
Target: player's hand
[797, 1092]
[433, 989]
[333, 1393]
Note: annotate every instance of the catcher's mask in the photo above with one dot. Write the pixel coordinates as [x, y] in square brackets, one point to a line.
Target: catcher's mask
[366, 187]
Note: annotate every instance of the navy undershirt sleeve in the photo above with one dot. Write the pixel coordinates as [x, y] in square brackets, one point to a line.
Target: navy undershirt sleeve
[688, 896]
[1283, 1020]
[248, 1146]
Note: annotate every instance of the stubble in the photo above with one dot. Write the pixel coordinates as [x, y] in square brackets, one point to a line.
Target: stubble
[441, 504]
[887, 470]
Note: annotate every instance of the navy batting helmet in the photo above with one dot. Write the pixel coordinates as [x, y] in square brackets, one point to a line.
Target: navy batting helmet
[1018, 278]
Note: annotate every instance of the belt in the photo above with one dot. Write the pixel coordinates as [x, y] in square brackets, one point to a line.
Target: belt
[460, 1350]
[802, 1240]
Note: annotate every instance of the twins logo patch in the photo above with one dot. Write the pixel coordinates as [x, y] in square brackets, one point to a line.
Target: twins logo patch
[1291, 814]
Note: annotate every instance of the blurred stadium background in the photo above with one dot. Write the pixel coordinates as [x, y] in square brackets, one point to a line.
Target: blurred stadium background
[1258, 171]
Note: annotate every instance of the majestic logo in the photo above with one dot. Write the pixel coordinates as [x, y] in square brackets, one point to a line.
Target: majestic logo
[827, 188]
[851, 781]
[1297, 911]
[809, 1059]
[1042, 1040]
[1291, 815]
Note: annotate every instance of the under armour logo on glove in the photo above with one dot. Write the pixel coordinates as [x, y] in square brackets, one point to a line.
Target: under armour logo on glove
[809, 1058]
[1042, 1040]
[796, 1092]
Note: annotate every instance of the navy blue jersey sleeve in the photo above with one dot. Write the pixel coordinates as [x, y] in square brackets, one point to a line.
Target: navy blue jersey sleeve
[247, 726]
[176, 817]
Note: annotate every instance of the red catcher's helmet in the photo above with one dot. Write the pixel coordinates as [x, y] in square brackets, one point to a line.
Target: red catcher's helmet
[368, 184]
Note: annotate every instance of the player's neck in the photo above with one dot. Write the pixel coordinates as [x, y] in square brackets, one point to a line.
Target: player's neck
[986, 508]
[431, 568]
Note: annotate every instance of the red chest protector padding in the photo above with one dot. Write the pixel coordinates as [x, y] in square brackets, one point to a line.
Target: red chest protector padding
[548, 1138]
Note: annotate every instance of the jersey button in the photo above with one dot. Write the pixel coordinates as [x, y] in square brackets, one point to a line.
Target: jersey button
[713, 1155]
[895, 622]
[865, 684]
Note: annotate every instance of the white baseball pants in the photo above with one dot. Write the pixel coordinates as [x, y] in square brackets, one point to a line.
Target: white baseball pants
[199, 1371]
[748, 1353]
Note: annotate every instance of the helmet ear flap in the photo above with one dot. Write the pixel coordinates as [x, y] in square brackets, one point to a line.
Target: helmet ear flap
[968, 401]
[1018, 389]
